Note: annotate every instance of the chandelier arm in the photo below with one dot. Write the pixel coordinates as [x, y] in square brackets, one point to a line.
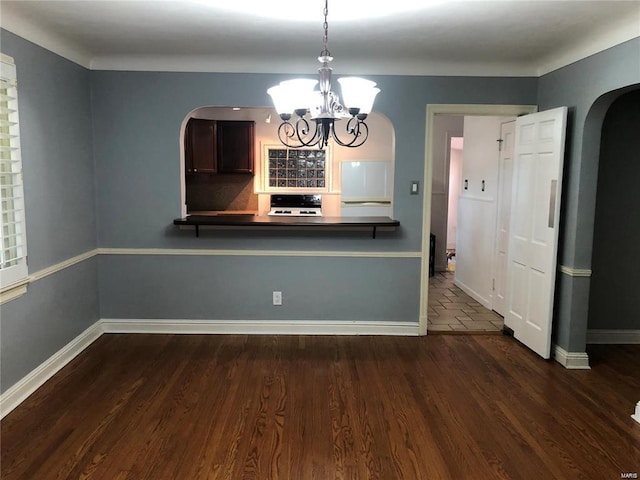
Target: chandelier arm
[298, 136]
[363, 132]
[283, 135]
[302, 128]
[302, 132]
[287, 133]
[353, 126]
[357, 129]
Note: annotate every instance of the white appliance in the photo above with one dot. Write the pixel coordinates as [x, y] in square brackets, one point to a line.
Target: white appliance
[367, 189]
[284, 205]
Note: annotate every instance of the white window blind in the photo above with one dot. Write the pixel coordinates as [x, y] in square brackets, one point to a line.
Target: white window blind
[13, 248]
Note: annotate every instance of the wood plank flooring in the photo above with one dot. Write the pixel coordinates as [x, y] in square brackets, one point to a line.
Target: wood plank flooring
[291, 407]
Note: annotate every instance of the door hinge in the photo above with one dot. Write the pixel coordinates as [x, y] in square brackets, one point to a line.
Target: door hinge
[494, 284]
[500, 144]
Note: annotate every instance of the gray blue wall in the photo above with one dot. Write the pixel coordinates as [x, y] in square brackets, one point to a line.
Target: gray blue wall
[239, 288]
[57, 154]
[137, 118]
[101, 154]
[614, 300]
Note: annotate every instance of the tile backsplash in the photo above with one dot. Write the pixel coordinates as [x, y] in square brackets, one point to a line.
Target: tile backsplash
[220, 192]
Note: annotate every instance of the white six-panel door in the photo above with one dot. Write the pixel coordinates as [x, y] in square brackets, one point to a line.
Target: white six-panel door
[533, 226]
[505, 185]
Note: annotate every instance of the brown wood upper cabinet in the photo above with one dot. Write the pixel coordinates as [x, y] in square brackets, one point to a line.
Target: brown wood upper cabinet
[200, 146]
[235, 146]
[219, 146]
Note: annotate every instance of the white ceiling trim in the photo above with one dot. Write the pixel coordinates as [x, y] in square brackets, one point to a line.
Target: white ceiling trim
[627, 29]
[302, 66]
[45, 38]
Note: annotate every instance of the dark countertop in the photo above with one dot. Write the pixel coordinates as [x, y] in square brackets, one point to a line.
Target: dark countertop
[241, 221]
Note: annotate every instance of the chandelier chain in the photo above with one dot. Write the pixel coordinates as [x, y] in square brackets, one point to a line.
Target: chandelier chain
[325, 39]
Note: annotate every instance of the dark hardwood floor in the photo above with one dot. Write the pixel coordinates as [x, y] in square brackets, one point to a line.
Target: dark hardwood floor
[300, 408]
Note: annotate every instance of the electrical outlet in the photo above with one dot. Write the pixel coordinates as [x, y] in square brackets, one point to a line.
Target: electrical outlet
[277, 298]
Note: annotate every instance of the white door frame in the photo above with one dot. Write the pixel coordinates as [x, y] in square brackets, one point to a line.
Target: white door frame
[432, 111]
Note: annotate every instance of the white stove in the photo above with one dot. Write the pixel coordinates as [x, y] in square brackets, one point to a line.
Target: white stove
[296, 206]
[296, 212]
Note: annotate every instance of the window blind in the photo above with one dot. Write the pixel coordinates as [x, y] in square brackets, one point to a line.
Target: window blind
[13, 249]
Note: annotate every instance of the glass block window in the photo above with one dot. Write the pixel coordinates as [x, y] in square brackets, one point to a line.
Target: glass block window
[296, 169]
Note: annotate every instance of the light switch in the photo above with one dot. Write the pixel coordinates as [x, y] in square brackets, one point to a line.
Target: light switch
[415, 187]
[277, 298]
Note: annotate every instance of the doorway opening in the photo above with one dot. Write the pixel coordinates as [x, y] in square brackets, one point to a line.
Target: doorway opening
[435, 202]
[470, 193]
[615, 255]
[456, 156]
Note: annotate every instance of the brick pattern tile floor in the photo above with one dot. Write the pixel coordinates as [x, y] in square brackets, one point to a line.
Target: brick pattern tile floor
[450, 309]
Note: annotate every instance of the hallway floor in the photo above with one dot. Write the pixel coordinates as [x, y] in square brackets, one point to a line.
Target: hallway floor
[452, 310]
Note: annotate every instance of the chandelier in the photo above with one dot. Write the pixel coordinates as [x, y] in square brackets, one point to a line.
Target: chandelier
[309, 116]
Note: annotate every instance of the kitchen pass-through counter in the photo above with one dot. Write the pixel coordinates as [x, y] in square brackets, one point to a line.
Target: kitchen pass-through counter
[271, 222]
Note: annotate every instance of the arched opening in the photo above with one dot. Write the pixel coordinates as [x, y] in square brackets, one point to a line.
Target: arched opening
[613, 298]
[252, 193]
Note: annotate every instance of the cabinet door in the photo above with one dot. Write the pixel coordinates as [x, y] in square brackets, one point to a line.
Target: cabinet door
[201, 146]
[235, 146]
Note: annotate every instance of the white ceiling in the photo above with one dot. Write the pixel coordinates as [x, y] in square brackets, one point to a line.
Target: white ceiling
[504, 37]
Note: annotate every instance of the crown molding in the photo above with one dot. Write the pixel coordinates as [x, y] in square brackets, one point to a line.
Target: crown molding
[625, 30]
[343, 65]
[46, 39]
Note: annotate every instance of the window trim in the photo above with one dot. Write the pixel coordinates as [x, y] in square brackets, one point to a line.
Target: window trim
[13, 279]
[264, 171]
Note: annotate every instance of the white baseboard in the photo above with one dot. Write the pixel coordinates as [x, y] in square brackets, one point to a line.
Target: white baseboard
[258, 327]
[571, 360]
[636, 415]
[15, 395]
[485, 302]
[620, 337]
[30, 383]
